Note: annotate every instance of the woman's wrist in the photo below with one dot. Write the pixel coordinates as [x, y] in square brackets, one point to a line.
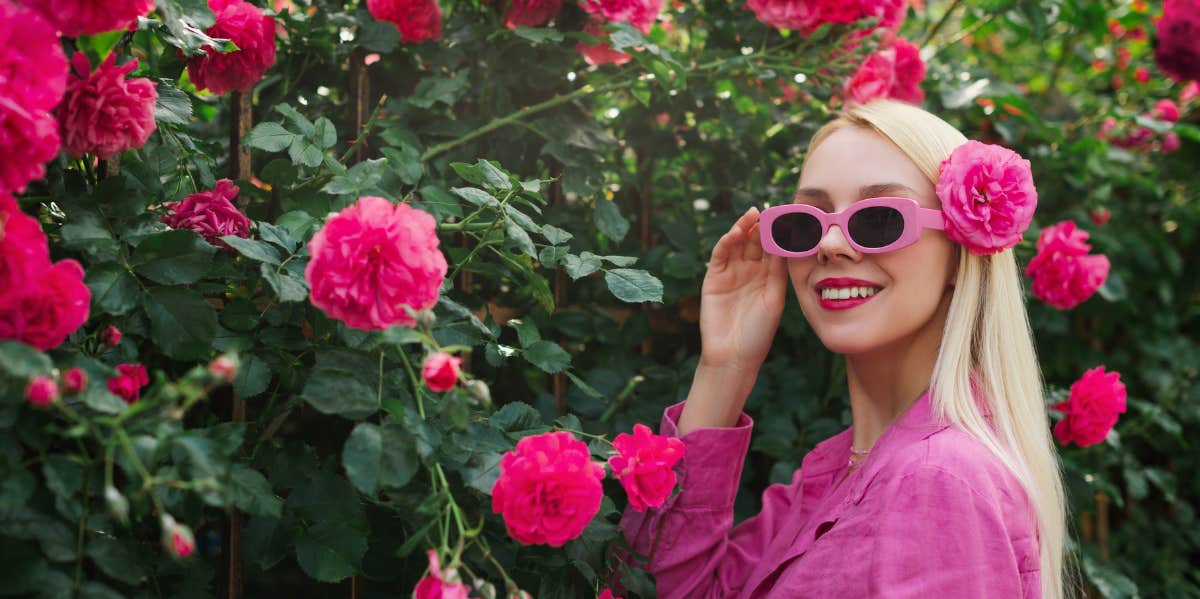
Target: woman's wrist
[717, 397]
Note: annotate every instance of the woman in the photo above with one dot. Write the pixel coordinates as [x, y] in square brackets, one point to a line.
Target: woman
[947, 484]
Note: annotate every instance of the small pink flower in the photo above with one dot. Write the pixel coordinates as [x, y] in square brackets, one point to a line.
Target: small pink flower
[371, 260]
[41, 392]
[439, 584]
[224, 367]
[28, 139]
[530, 13]
[89, 17]
[177, 538]
[103, 112]
[1141, 74]
[1189, 92]
[639, 13]
[111, 336]
[606, 594]
[417, 20]
[211, 214]
[440, 371]
[645, 466]
[1177, 50]
[54, 304]
[1165, 110]
[807, 15]
[254, 33]
[1170, 142]
[548, 490]
[33, 63]
[987, 195]
[74, 381]
[894, 71]
[1096, 401]
[129, 382]
[1063, 273]
[1100, 216]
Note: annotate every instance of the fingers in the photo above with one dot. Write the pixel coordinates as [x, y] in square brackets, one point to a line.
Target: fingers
[741, 242]
[752, 249]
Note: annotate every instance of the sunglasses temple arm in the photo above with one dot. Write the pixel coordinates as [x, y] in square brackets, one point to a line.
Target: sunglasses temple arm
[931, 219]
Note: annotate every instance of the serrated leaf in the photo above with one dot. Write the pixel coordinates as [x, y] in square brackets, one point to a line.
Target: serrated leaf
[176, 257]
[609, 220]
[556, 235]
[182, 324]
[475, 196]
[253, 249]
[548, 356]
[172, 106]
[582, 265]
[269, 136]
[632, 285]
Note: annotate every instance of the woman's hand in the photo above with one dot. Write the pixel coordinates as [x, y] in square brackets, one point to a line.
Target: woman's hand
[741, 300]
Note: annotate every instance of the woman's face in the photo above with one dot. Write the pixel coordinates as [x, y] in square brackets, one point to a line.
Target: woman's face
[913, 284]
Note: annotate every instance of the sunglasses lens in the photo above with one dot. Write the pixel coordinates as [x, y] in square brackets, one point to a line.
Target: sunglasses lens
[796, 232]
[876, 227]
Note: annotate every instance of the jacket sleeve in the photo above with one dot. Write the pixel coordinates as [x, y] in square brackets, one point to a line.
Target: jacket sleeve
[941, 536]
[694, 550]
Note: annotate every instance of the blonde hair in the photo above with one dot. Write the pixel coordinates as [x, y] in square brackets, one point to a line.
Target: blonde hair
[986, 344]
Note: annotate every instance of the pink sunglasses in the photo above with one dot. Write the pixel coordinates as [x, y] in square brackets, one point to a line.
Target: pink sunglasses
[871, 226]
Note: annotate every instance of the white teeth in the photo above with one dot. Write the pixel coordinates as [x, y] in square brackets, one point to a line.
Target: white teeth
[842, 293]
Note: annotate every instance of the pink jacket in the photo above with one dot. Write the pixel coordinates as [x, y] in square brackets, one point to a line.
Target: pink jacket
[930, 513]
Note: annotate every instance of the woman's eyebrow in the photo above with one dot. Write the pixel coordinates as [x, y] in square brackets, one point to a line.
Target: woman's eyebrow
[821, 196]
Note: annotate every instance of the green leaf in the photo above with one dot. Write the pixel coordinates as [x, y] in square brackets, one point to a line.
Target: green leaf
[609, 220]
[325, 134]
[305, 151]
[301, 122]
[405, 162]
[548, 356]
[446, 90]
[632, 285]
[1111, 583]
[476, 196]
[555, 235]
[329, 552]
[620, 260]
[185, 22]
[280, 171]
[341, 393]
[117, 559]
[521, 238]
[21, 361]
[516, 417]
[493, 176]
[378, 36]
[289, 287]
[250, 492]
[85, 231]
[361, 457]
[252, 249]
[527, 332]
[173, 105]
[114, 290]
[182, 324]
[270, 136]
[582, 265]
[98, 398]
[176, 257]
[399, 461]
[64, 476]
[539, 35]
[253, 376]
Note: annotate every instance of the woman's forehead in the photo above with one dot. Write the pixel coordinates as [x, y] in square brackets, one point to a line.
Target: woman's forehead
[854, 163]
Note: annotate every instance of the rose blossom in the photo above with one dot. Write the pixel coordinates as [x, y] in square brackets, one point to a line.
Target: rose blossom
[1165, 110]
[177, 538]
[28, 139]
[33, 63]
[371, 260]
[103, 113]
[224, 367]
[23, 249]
[1177, 51]
[89, 17]
[129, 382]
[1170, 141]
[606, 594]
[440, 371]
[1063, 273]
[644, 465]
[1096, 401]
[602, 52]
[639, 13]
[74, 380]
[987, 196]
[417, 20]
[807, 15]
[548, 490]
[41, 392]
[210, 213]
[51, 307]
[111, 336]
[1189, 92]
[254, 33]
[440, 584]
[894, 71]
[530, 13]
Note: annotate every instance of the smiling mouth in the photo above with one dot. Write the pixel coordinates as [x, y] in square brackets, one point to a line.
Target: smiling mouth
[843, 298]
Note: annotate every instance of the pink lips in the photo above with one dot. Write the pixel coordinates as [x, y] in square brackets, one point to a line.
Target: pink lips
[846, 304]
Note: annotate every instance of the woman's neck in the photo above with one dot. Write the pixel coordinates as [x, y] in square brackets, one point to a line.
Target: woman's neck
[886, 381]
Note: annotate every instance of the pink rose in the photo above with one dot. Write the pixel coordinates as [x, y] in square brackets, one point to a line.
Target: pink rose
[439, 584]
[1096, 401]
[606, 594]
[1165, 110]
[1190, 92]
[33, 63]
[41, 392]
[548, 490]
[1177, 51]
[177, 538]
[89, 17]
[211, 214]
[417, 20]
[987, 196]
[894, 71]
[645, 466]
[530, 13]
[129, 382]
[28, 139]
[254, 33]
[601, 53]
[23, 250]
[371, 260]
[51, 307]
[440, 371]
[224, 367]
[104, 113]
[1063, 273]
[807, 15]
[74, 380]
[1170, 141]
[111, 336]
[639, 13]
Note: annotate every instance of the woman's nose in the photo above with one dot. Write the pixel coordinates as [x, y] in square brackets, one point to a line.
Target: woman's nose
[834, 243]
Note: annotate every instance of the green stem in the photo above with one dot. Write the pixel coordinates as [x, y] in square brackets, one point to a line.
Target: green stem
[941, 22]
[147, 479]
[416, 385]
[362, 135]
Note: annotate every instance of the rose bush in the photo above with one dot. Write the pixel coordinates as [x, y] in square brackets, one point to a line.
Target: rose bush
[214, 329]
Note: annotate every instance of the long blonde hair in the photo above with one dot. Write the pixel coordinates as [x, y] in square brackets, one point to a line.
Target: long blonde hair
[986, 343]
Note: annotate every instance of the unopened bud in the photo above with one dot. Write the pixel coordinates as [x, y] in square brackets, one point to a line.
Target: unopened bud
[426, 319]
[118, 506]
[479, 392]
[41, 392]
[74, 380]
[225, 366]
[177, 538]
